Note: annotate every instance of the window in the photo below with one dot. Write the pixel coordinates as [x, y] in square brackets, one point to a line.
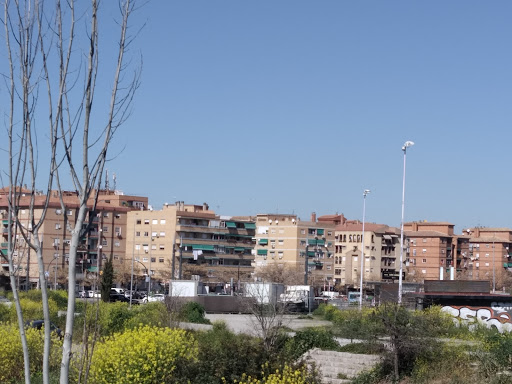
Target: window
[424, 240]
[117, 230]
[116, 257]
[117, 215]
[146, 234]
[486, 245]
[162, 221]
[117, 244]
[272, 254]
[105, 214]
[424, 250]
[154, 234]
[486, 264]
[303, 243]
[424, 260]
[155, 221]
[160, 259]
[280, 255]
[145, 259]
[153, 246]
[139, 221]
[137, 233]
[137, 247]
[281, 231]
[58, 211]
[486, 255]
[104, 242]
[281, 242]
[442, 261]
[105, 229]
[162, 247]
[302, 231]
[69, 212]
[328, 267]
[162, 234]
[153, 260]
[272, 230]
[57, 226]
[329, 233]
[423, 271]
[414, 252]
[146, 221]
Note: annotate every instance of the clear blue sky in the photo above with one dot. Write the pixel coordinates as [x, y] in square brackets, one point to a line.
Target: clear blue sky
[298, 106]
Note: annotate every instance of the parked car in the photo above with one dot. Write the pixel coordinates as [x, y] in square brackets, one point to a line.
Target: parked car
[94, 294]
[118, 297]
[38, 324]
[119, 291]
[153, 298]
[83, 294]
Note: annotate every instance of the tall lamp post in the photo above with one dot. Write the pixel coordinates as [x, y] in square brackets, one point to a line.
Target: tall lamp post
[365, 192]
[406, 145]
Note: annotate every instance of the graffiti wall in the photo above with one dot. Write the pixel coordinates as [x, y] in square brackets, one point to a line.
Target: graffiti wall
[498, 315]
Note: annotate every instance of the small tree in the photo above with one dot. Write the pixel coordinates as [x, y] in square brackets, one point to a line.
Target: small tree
[107, 278]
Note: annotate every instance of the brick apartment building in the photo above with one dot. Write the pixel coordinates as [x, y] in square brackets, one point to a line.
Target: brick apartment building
[104, 237]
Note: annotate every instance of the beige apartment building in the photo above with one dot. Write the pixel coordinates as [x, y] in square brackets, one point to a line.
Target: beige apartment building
[104, 235]
[381, 250]
[285, 240]
[185, 240]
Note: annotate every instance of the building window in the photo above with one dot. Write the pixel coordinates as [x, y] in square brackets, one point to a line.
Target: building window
[424, 240]
[329, 233]
[145, 259]
[116, 257]
[58, 211]
[139, 221]
[57, 226]
[137, 233]
[303, 243]
[302, 231]
[280, 255]
[162, 221]
[117, 215]
[414, 252]
[272, 254]
[424, 260]
[104, 242]
[423, 271]
[281, 242]
[162, 234]
[272, 230]
[160, 259]
[105, 229]
[137, 247]
[486, 255]
[153, 259]
[328, 267]
[146, 221]
[117, 244]
[153, 246]
[162, 247]
[146, 234]
[424, 250]
[154, 234]
[155, 221]
[69, 212]
[105, 214]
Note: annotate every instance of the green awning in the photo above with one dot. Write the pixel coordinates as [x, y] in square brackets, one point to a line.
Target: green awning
[250, 225]
[263, 242]
[510, 265]
[4, 252]
[230, 224]
[92, 269]
[505, 265]
[312, 241]
[320, 242]
[311, 254]
[4, 245]
[319, 231]
[211, 258]
[204, 247]
[311, 263]
[239, 249]
[5, 222]
[262, 251]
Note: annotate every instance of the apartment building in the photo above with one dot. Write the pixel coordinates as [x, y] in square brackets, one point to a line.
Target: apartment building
[104, 235]
[489, 256]
[285, 240]
[430, 247]
[191, 239]
[380, 251]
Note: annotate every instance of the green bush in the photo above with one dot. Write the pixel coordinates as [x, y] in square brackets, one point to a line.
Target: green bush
[223, 354]
[364, 348]
[11, 353]
[152, 314]
[193, 312]
[142, 355]
[33, 310]
[310, 338]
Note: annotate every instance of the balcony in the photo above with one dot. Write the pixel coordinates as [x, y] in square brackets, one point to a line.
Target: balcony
[4, 245]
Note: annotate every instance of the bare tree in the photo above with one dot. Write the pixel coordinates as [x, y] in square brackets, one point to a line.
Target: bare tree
[283, 274]
[43, 50]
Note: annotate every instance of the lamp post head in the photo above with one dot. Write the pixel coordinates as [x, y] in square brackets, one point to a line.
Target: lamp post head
[365, 192]
[407, 144]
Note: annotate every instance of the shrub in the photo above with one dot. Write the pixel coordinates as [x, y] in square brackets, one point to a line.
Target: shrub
[152, 314]
[364, 348]
[11, 353]
[142, 355]
[193, 312]
[33, 310]
[223, 354]
[309, 338]
[286, 375]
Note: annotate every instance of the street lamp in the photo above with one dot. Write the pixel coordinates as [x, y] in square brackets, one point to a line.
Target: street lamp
[54, 271]
[365, 192]
[406, 145]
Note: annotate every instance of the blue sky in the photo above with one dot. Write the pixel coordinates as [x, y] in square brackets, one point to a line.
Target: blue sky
[298, 106]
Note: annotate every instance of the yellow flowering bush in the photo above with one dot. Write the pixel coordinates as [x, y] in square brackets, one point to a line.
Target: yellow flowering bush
[142, 355]
[33, 310]
[288, 375]
[11, 352]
